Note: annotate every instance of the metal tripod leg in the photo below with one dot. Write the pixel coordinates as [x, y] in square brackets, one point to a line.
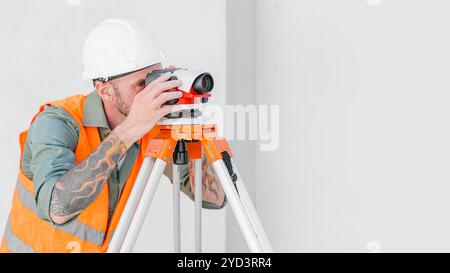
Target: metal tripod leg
[131, 222]
[250, 208]
[131, 206]
[198, 204]
[176, 209]
[245, 214]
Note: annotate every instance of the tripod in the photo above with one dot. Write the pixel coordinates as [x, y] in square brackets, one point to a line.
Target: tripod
[180, 143]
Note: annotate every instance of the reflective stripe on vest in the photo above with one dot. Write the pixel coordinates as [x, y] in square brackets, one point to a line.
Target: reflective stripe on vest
[73, 227]
[13, 243]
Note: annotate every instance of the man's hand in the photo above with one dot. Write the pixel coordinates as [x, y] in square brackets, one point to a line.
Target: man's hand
[147, 109]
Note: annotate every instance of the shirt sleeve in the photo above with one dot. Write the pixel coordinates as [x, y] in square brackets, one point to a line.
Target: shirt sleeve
[52, 140]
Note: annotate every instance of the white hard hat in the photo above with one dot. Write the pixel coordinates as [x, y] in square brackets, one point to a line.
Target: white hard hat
[116, 47]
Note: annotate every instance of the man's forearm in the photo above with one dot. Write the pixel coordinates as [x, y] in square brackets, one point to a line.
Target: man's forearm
[212, 191]
[78, 188]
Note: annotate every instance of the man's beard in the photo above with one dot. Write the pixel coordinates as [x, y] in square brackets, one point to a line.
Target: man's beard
[121, 106]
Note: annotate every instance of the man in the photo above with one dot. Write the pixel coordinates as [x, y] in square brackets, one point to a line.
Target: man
[82, 154]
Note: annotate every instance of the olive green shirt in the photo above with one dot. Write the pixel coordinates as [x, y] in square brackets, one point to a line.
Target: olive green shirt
[49, 153]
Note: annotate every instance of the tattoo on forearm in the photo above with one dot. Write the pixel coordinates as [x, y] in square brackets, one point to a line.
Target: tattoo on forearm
[78, 188]
[212, 191]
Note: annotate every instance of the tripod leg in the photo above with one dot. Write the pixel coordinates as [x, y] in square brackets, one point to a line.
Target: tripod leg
[144, 204]
[198, 204]
[250, 208]
[243, 218]
[131, 206]
[176, 209]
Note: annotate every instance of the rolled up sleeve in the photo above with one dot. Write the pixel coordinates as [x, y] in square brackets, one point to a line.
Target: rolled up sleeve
[52, 140]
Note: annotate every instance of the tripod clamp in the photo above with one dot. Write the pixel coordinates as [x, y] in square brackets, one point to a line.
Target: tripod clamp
[180, 154]
[227, 160]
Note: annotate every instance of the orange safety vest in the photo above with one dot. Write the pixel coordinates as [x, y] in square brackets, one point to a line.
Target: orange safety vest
[89, 231]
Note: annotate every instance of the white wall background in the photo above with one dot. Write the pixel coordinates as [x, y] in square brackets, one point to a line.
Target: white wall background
[41, 61]
[364, 153]
[363, 91]
[241, 90]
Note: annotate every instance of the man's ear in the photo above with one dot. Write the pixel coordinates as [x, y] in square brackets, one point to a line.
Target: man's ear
[105, 90]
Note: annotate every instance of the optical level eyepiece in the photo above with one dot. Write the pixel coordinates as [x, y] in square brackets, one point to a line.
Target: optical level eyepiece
[203, 83]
